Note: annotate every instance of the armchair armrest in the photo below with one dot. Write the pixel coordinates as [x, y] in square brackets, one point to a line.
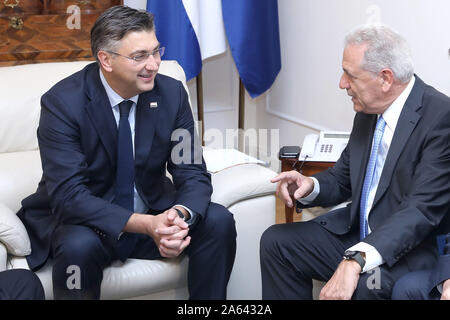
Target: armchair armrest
[241, 182]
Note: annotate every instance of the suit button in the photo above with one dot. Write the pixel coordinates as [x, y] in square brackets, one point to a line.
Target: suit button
[323, 222]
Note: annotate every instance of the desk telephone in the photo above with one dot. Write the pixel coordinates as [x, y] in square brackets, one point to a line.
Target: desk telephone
[326, 147]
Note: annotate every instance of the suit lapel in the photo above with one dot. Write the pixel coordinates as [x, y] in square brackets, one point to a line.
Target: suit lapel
[405, 126]
[100, 112]
[148, 107]
[360, 156]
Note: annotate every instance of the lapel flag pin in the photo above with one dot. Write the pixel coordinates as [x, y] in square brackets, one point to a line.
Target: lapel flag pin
[153, 104]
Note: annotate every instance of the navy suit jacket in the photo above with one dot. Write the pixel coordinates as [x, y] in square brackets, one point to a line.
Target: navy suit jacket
[77, 138]
[413, 196]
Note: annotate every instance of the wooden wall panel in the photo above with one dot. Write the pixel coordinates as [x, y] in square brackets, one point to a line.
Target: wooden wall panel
[33, 31]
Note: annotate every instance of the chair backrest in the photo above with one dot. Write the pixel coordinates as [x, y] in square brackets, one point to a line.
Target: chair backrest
[21, 88]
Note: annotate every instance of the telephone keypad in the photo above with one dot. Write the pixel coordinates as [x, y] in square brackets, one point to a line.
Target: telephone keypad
[326, 148]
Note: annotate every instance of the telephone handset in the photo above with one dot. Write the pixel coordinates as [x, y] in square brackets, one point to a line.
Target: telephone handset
[326, 147]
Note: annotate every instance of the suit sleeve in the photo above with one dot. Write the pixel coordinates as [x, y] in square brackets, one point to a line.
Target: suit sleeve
[186, 165]
[65, 171]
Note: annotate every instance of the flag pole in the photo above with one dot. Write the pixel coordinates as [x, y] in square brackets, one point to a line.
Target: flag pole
[200, 114]
[241, 121]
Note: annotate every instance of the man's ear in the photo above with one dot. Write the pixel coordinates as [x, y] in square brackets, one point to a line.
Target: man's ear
[105, 60]
[387, 77]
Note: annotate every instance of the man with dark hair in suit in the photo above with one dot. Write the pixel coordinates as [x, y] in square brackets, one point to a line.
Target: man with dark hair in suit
[430, 284]
[20, 284]
[106, 137]
[395, 170]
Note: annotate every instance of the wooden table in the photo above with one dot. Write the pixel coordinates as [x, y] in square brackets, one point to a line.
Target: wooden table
[309, 168]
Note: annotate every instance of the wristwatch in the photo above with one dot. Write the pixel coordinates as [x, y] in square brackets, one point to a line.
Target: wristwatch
[357, 256]
[180, 214]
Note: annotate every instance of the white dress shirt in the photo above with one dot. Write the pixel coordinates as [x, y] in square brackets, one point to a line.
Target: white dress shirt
[115, 99]
[391, 116]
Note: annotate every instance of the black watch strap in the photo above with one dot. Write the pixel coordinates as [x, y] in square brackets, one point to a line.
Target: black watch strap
[180, 214]
[357, 256]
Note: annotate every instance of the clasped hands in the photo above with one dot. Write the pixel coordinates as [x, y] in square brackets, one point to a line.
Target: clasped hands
[167, 229]
[170, 234]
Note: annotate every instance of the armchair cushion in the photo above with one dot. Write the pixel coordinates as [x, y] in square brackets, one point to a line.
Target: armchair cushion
[248, 181]
[21, 98]
[19, 176]
[13, 233]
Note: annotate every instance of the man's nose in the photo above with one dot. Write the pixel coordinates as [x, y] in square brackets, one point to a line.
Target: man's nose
[343, 82]
[151, 63]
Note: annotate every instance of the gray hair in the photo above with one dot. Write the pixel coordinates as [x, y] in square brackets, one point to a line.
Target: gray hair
[385, 49]
[114, 23]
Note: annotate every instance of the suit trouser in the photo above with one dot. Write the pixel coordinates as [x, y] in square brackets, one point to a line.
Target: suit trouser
[20, 284]
[295, 253]
[415, 286]
[211, 257]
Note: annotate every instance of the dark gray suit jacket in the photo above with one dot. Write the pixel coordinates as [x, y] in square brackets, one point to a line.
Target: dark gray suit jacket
[413, 196]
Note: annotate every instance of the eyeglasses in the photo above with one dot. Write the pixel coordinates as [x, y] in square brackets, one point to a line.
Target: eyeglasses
[143, 56]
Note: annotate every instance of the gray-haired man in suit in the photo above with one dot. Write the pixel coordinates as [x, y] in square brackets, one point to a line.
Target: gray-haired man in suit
[395, 171]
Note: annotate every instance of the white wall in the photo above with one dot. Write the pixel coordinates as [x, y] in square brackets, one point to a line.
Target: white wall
[305, 97]
[312, 33]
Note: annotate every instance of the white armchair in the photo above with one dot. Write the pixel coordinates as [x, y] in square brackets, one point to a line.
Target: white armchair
[251, 200]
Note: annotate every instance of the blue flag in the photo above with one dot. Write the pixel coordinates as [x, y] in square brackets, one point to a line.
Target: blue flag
[175, 32]
[252, 31]
[191, 31]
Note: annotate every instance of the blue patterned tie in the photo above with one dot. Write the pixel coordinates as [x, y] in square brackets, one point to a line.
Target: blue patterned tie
[370, 170]
[124, 194]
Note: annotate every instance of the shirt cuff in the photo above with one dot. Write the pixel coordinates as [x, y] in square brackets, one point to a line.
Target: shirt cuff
[373, 257]
[313, 195]
[193, 215]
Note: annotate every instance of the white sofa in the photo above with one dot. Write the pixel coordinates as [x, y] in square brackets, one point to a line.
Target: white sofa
[251, 200]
